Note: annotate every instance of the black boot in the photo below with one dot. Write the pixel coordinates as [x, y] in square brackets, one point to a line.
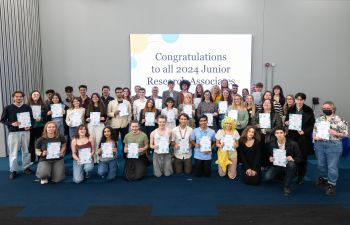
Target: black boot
[321, 182]
[330, 190]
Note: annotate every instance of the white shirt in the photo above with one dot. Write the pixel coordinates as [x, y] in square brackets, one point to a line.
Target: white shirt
[138, 105]
[179, 134]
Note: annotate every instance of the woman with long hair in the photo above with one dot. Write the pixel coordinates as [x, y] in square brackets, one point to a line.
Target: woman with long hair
[242, 113]
[75, 116]
[209, 108]
[57, 112]
[250, 107]
[188, 108]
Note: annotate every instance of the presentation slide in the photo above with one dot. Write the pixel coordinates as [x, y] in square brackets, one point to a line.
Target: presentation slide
[199, 58]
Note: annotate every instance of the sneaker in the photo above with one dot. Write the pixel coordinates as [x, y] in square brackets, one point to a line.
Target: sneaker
[27, 171]
[321, 182]
[330, 190]
[13, 175]
[287, 192]
[44, 181]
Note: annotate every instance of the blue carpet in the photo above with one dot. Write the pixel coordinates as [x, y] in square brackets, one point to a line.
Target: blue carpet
[178, 195]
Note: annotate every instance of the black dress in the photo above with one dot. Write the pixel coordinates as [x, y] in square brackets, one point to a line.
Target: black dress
[250, 157]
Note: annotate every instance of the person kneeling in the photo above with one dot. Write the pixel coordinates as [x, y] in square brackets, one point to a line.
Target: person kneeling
[50, 148]
[284, 154]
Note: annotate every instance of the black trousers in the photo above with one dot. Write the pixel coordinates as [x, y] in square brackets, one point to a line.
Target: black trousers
[123, 132]
[35, 133]
[202, 168]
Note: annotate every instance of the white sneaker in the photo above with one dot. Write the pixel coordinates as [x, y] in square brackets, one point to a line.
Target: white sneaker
[44, 181]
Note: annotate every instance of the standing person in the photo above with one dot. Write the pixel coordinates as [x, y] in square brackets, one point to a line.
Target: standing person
[96, 116]
[105, 97]
[188, 108]
[171, 93]
[160, 141]
[170, 112]
[157, 99]
[245, 93]
[120, 111]
[225, 97]
[19, 132]
[136, 167]
[234, 90]
[127, 94]
[182, 145]
[184, 87]
[292, 154]
[227, 142]
[49, 94]
[60, 117]
[136, 96]
[304, 136]
[258, 94]
[139, 104]
[40, 116]
[107, 151]
[197, 98]
[250, 154]
[328, 148]
[224, 85]
[82, 143]
[290, 102]
[83, 98]
[250, 107]
[242, 114]
[278, 99]
[148, 117]
[203, 139]
[69, 95]
[51, 163]
[216, 93]
[75, 117]
[209, 108]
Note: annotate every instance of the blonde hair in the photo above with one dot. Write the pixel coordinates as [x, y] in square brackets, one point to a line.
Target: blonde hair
[234, 106]
[228, 120]
[331, 104]
[253, 105]
[44, 135]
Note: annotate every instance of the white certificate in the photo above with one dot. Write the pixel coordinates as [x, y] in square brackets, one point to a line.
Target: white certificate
[184, 146]
[56, 110]
[196, 102]
[123, 109]
[133, 151]
[257, 98]
[24, 119]
[264, 120]
[228, 143]
[323, 130]
[295, 121]
[223, 107]
[162, 145]
[170, 114]
[205, 144]
[107, 150]
[85, 156]
[95, 118]
[233, 114]
[53, 150]
[158, 103]
[150, 119]
[188, 110]
[36, 111]
[75, 119]
[210, 119]
[279, 157]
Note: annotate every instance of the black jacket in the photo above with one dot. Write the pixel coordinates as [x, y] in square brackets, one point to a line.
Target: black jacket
[292, 149]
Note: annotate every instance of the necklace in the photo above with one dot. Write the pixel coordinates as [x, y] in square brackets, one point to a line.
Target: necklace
[182, 136]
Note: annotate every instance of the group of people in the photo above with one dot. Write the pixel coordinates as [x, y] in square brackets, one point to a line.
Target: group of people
[270, 135]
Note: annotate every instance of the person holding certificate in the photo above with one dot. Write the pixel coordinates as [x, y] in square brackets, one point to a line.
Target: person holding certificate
[203, 139]
[226, 101]
[227, 142]
[75, 117]
[266, 119]
[57, 112]
[120, 111]
[171, 93]
[96, 116]
[107, 151]
[39, 110]
[249, 151]
[189, 108]
[197, 98]
[18, 118]
[304, 136]
[209, 108]
[170, 112]
[148, 117]
[82, 153]
[182, 145]
[160, 142]
[242, 113]
[328, 132]
[50, 149]
[251, 108]
[136, 145]
[184, 87]
[216, 93]
[285, 155]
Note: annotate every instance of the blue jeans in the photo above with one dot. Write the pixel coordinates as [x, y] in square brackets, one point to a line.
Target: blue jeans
[78, 171]
[289, 171]
[328, 156]
[60, 125]
[72, 131]
[108, 168]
